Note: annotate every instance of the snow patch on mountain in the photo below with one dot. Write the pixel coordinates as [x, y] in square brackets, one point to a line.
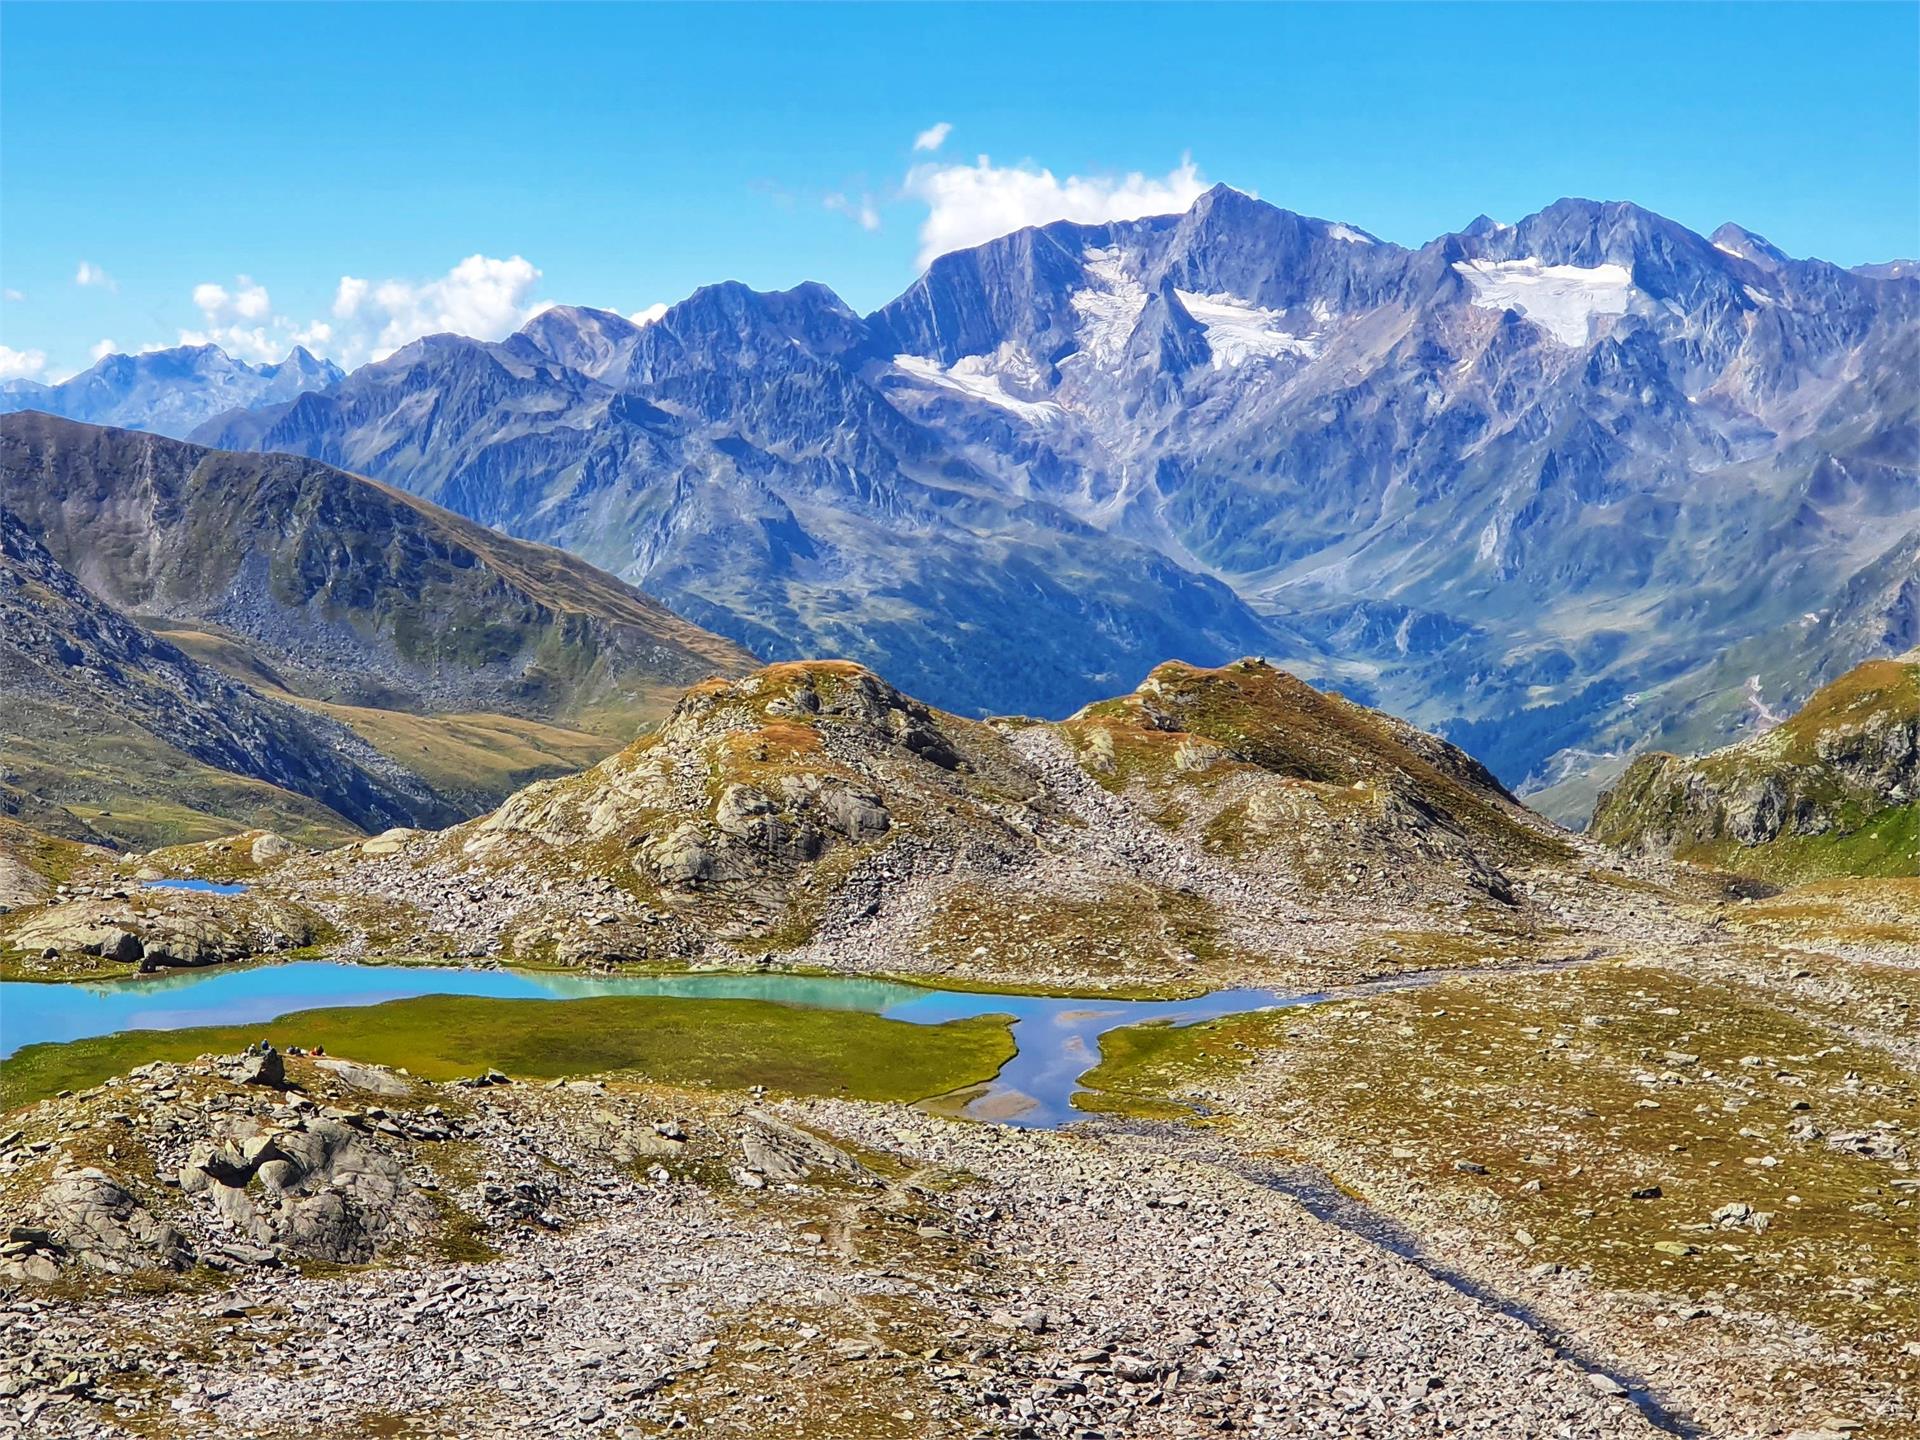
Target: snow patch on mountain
[1238, 331]
[1563, 300]
[1109, 308]
[1349, 234]
[975, 377]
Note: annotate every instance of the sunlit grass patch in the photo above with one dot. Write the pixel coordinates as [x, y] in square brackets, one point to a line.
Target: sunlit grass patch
[728, 1044]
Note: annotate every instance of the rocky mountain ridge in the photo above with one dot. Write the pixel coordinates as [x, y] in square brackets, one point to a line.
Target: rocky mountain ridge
[347, 591]
[220, 641]
[81, 683]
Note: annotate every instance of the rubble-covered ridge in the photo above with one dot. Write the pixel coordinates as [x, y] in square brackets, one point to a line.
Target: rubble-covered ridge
[813, 810]
[493, 1259]
[1833, 790]
[144, 930]
[1701, 1160]
[1259, 760]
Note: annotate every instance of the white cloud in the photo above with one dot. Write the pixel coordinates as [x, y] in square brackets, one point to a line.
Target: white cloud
[970, 204]
[240, 321]
[102, 350]
[12, 294]
[316, 337]
[253, 343]
[933, 137]
[91, 274]
[647, 316]
[246, 301]
[481, 296]
[21, 364]
[863, 212]
[347, 299]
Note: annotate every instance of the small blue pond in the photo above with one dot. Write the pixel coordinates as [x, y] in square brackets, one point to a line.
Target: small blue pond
[1057, 1039]
[204, 887]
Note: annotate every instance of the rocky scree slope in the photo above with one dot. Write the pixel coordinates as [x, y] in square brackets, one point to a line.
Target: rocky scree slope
[341, 589]
[595, 1256]
[1062, 455]
[83, 913]
[1834, 790]
[100, 716]
[1185, 832]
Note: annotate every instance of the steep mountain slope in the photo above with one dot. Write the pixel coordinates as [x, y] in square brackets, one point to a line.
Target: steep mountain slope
[1214, 825]
[302, 578]
[170, 392]
[108, 731]
[1528, 482]
[1832, 791]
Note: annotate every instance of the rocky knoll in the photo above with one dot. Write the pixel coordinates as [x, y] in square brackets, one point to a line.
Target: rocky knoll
[814, 810]
[1833, 790]
[1271, 763]
[151, 930]
[262, 1160]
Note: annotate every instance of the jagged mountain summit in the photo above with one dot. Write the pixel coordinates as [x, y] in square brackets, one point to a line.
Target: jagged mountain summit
[1832, 790]
[1530, 483]
[740, 459]
[453, 663]
[172, 391]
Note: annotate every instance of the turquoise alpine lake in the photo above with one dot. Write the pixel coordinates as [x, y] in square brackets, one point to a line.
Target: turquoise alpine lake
[203, 887]
[1056, 1039]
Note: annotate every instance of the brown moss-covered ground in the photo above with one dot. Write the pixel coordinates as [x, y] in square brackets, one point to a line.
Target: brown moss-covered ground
[1596, 1120]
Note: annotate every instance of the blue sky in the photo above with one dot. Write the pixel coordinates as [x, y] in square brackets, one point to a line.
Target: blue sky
[219, 170]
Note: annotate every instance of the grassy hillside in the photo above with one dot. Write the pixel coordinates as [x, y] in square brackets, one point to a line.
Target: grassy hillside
[109, 732]
[344, 589]
[203, 642]
[1829, 792]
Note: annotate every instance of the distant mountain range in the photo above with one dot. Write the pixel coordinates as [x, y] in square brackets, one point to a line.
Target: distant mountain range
[170, 392]
[198, 640]
[1558, 488]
